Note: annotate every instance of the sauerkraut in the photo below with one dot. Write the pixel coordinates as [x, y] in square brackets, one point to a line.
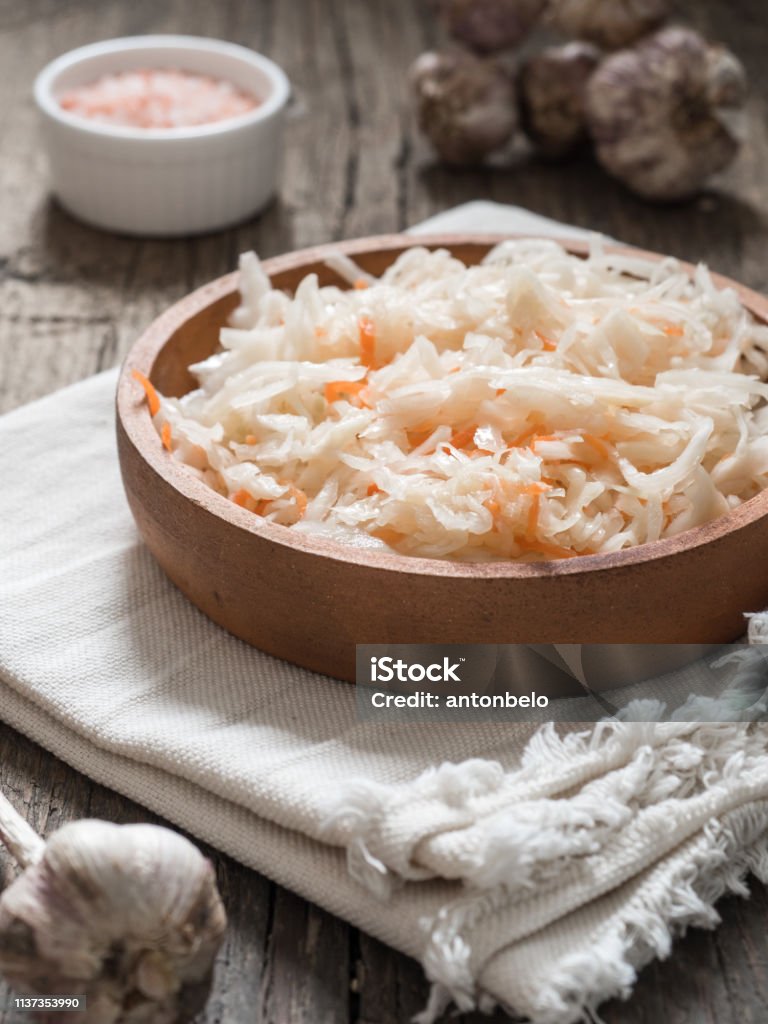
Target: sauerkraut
[535, 406]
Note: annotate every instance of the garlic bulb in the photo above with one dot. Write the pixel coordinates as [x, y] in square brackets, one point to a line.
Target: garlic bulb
[551, 88]
[490, 26]
[667, 114]
[127, 915]
[465, 105]
[609, 23]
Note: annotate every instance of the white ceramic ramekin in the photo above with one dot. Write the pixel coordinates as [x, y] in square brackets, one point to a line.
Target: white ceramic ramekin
[176, 181]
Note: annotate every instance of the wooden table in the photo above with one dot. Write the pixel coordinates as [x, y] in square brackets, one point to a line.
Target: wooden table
[72, 301]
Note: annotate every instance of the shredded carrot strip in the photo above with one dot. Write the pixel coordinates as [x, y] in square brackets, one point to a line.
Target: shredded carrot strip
[493, 507]
[454, 369]
[463, 438]
[165, 436]
[361, 284]
[373, 489]
[522, 441]
[418, 434]
[250, 439]
[388, 535]
[246, 500]
[533, 516]
[598, 444]
[535, 491]
[301, 500]
[336, 389]
[152, 398]
[500, 392]
[416, 438]
[367, 333]
[547, 344]
[542, 437]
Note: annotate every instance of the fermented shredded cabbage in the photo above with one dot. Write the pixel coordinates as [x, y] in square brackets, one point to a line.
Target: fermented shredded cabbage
[536, 406]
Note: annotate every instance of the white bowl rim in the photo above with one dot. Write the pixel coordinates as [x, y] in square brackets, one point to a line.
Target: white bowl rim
[280, 87]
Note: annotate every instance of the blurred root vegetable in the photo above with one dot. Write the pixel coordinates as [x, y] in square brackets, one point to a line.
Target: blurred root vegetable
[465, 105]
[551, 88]
[490, 26]
[609, 23]
[667, 114]
[127, 915]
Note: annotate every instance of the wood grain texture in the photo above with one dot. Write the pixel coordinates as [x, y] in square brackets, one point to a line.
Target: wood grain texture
[72, 301]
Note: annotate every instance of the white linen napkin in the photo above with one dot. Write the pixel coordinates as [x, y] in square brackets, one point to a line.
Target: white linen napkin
[536, 869]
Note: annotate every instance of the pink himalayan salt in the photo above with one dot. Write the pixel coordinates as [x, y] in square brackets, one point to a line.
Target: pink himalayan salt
[157, 99]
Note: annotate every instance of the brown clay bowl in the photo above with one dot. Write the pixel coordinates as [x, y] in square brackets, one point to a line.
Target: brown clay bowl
[310, 600]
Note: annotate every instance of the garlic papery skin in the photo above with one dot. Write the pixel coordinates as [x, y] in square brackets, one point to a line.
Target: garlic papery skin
[666, 115]
[490, 26]
[609, 23]
[551, 88]
[465, 106]
[128, 915]
[18, 836]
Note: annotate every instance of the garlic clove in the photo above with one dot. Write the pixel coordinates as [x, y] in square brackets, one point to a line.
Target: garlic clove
[128, 915]
[465, 105]
[490, 26]
[609, 23]
[666, 115]
[726, 91]
[551, 88]
[155, 976]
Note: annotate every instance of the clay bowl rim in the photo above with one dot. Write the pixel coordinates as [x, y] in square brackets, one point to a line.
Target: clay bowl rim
[134, 417]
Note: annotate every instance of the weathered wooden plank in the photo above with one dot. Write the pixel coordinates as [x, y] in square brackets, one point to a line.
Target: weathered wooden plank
[390, 988]
[72, 300]
[307, 979]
